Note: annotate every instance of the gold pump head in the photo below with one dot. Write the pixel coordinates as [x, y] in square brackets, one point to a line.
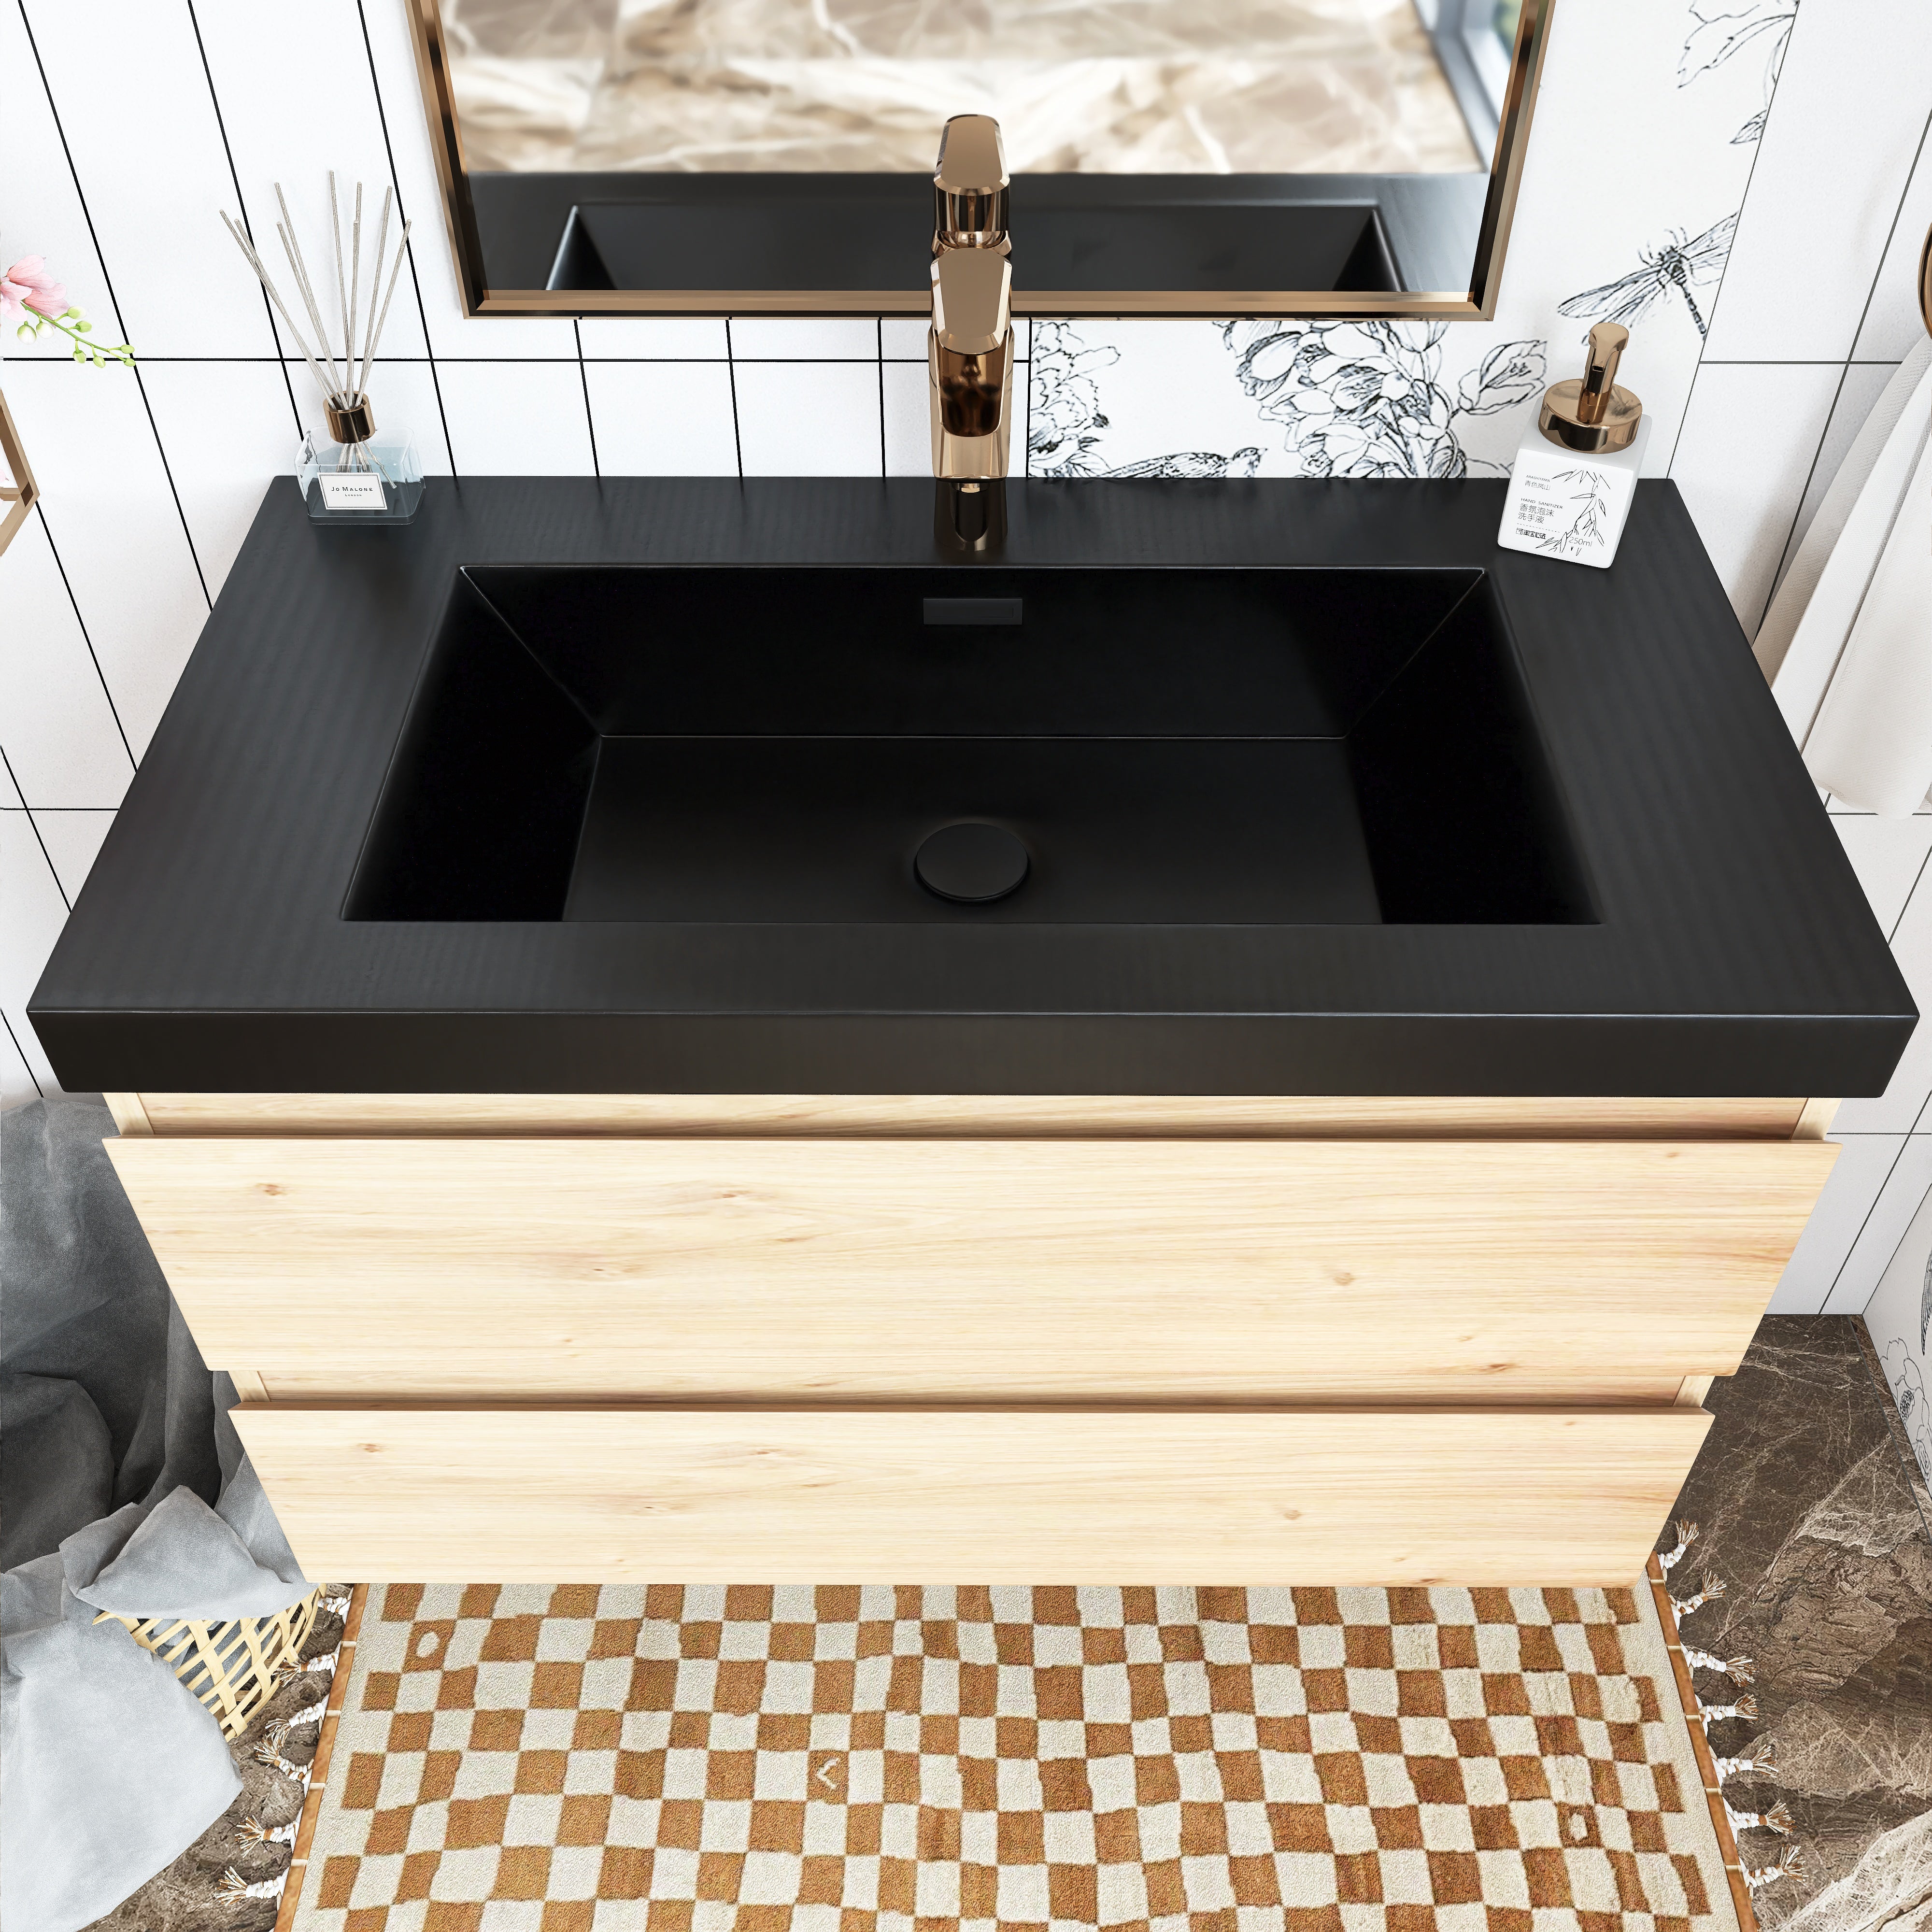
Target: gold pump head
[1594, 414]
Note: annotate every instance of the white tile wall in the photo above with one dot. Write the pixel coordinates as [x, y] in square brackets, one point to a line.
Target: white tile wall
[174, 109]
[516, 418]
[1891, 1214]
[809, 419]
[655, 338]
[152, 192]
[217, 472]
[72, 842]
[41, 211]
[252, 50]
[62, 742]
[1857, 1178]
[1863, 384]
[1743, 457]
[1892, 322]
[109, 505]
[1850, 109]
[663, 418]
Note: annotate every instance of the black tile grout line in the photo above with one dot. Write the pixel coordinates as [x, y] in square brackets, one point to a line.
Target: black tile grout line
[112, 811]
[120, 329]
[1917, 879]
[589, 415]
[416, 281]
[1837, 394]
[879, 334]
[1865, 1223]
[1026, 415]
[643, 362]
[113, 710]
[52, 870]
[1804, 490]
[120, 319]
[1898, 215]
[241, 200]
[39, 1089]
[731, 376]
[73, 173]
[1711, 322]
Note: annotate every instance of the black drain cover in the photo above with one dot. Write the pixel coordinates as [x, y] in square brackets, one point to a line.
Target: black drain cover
[971, 863]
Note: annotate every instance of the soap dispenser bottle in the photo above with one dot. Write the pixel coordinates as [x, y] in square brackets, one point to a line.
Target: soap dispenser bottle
[1575, 475]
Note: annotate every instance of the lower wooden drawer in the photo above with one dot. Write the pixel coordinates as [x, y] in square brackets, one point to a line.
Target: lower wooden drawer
[1466, 1273]
[984, 1496]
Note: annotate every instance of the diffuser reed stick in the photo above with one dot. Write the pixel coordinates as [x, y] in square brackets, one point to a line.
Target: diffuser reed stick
[345, 390]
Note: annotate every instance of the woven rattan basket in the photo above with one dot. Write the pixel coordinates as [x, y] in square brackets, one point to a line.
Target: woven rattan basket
[231, 1666]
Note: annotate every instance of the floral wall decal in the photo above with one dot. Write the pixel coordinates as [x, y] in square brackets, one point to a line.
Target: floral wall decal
[1679, 264]
[1721, 28]
[1367, 399]
[1065, 419]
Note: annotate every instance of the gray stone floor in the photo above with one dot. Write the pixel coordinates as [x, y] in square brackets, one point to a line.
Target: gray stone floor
[1814, 1516]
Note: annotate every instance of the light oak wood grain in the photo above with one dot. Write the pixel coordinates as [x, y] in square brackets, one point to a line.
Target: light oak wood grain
[131, 1116]
[1815, 1122]
[946, 1496]
[926, 1115]
[954, 1269]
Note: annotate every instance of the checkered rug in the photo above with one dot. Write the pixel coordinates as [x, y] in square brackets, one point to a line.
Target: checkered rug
[742, 1759]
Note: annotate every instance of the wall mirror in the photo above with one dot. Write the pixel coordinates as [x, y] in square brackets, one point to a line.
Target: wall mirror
[1207, 157]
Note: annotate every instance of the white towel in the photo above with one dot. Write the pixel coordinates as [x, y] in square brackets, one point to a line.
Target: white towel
[1872, 744]
[1803, 634]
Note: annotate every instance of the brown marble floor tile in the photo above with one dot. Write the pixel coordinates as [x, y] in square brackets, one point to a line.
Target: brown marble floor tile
[1810, 1518]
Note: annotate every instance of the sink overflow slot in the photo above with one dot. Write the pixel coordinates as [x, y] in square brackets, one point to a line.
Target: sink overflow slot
[973, 609]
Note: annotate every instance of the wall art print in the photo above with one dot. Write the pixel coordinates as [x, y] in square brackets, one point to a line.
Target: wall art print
[1372, 398]
[1721, 29]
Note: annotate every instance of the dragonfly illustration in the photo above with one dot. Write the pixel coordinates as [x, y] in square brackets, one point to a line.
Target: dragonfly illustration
[1679, 264]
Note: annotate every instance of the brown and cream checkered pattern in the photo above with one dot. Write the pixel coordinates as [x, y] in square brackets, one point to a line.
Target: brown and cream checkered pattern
[748, 1759]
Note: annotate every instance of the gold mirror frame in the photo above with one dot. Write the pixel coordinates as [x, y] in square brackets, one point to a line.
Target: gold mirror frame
[1478, 304]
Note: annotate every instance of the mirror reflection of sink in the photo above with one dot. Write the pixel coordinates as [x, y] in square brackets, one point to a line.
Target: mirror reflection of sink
[1172, 746]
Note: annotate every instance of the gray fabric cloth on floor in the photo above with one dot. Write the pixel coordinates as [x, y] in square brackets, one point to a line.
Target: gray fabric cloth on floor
[124, 1487]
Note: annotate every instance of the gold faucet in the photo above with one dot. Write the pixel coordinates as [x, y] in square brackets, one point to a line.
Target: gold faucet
[969, 348]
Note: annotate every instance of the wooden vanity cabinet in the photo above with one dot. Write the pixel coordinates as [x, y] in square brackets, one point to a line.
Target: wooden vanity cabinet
[924, 1338]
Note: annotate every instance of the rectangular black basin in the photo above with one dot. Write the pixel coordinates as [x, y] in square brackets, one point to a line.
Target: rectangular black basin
[731, 744]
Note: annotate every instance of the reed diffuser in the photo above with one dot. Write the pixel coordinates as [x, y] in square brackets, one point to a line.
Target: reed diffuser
[352, 475]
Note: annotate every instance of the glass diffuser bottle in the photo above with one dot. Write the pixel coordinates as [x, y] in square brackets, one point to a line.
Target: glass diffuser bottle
[353, 475]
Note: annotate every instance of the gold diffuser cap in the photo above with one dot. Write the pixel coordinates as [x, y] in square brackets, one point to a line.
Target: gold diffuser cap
[350, 418]
[1594, 414]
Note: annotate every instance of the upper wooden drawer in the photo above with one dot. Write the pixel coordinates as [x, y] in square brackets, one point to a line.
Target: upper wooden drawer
[1176, 1270]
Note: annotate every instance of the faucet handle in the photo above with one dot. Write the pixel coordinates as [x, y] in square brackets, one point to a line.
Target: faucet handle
[969, 184]
[972, 300]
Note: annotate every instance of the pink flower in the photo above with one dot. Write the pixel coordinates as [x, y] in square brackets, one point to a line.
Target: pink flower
[27, 285]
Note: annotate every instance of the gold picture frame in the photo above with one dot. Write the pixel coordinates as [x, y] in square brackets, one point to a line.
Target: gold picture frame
[1478, 303]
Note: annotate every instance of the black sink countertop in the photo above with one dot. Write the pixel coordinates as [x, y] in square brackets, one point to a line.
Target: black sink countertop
[1732, 952]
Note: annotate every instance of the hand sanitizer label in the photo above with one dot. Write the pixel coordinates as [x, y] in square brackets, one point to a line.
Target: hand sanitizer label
[1564, 504]
[352, 493]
